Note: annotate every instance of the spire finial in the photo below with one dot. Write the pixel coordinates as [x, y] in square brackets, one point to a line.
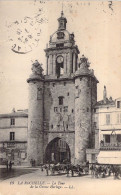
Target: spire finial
[62, 10]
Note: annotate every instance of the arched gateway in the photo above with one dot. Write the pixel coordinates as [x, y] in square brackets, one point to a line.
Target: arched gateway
[57, 151]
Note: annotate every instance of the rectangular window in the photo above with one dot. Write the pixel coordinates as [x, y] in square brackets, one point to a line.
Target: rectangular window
[60, 45]
[87, 109]
[119, 138]
[39, 93]
[93, 158]
[60, 109]
[107, 138]
[68, 94]
[118, 104]
[107, 119]
[77, 91]
[65, 109]
[12, 121]
[12, 136]
[55, 109]
[60, 100]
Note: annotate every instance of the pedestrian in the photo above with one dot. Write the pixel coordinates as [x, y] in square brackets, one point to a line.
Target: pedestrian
[34, 162]
[67, 170]
[116, 175]
[10, 165]
[92, 168]
[7, 165]
[72, 171]
[31, 162]
[47, 170]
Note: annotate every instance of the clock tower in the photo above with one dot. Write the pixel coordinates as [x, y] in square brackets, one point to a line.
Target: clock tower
[62, 53]
[60, 103]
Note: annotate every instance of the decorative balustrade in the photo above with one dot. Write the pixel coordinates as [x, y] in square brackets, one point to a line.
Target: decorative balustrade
[110, 146]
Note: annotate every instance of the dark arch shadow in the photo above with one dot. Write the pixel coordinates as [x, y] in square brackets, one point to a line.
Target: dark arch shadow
[57, 151]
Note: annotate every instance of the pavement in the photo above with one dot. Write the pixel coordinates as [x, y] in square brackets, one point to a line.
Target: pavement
[36, 182]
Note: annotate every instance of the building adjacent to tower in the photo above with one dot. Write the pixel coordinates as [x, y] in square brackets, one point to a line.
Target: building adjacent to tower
[60, 126]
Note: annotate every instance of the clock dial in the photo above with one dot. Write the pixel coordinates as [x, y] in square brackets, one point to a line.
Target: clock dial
[60, 59]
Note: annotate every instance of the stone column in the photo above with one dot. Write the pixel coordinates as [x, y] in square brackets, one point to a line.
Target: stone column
[50, 65]
[74, 62]
[54, 64]
[68, 63]
[71, 65]
[65, 63]
[46, 65]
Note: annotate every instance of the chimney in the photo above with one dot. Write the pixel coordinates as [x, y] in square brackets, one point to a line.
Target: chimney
[104, 94]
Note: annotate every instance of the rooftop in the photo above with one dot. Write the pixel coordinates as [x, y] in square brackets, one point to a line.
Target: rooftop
[18, 113]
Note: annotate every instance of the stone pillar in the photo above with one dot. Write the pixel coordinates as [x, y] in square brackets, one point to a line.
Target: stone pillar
[54, 64]
[68, 63]
[50, 64]
[65, 63]
[35, 120]
[74, 62]
[71, 63]
[46, 65]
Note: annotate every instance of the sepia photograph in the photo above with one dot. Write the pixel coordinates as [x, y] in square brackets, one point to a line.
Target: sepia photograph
[60, 105]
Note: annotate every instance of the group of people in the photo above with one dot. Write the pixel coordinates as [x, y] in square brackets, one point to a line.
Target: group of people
[105, 170]
[68, 169]
[95, 170]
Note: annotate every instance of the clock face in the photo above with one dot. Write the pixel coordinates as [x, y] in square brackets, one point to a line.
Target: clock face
[59, 59]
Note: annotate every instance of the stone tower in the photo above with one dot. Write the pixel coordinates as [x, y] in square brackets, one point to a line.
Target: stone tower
[60, 102]
[35, 115]
[85, 98]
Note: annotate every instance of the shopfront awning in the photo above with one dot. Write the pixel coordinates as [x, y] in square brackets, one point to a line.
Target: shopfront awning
[111, 132]
[109, 157]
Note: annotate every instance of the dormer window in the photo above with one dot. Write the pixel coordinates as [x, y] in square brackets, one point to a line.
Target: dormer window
[60, 35]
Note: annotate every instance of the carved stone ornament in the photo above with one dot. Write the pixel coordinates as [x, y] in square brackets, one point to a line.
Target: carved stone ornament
[84, 60]
[37, 68]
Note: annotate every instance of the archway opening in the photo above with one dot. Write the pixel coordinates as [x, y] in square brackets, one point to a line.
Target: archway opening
[57, 151]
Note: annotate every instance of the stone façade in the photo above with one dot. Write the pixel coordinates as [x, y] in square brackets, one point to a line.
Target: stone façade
[60, 103]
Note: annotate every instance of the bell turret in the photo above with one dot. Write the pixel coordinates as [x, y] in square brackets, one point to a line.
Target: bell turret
[62, 22]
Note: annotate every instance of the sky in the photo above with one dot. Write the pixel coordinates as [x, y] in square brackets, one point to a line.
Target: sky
[25, 29]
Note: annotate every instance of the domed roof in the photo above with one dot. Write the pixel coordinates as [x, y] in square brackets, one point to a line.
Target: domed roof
[58, 36]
